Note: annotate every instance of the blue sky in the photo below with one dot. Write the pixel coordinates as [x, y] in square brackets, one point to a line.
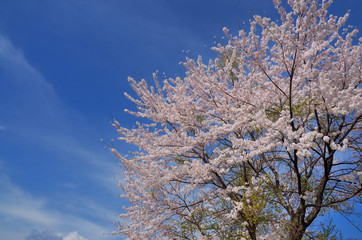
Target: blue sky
[63, 70]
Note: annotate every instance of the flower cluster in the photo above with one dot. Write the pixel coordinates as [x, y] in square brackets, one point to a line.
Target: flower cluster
[245, 146]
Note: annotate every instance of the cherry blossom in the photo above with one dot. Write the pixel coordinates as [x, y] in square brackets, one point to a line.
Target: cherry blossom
[245, 146]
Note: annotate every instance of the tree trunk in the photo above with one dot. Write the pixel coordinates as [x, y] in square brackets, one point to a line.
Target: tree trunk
[297, 232]
[252, 231]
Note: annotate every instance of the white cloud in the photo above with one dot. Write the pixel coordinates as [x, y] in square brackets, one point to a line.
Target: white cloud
[20, 212]
[17, 204]
[73, 236]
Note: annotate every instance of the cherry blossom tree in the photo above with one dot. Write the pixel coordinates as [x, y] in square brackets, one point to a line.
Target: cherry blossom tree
[255, 144]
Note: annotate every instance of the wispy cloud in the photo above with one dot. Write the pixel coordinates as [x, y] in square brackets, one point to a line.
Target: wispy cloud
[17, 204]
[34, 114]
[22, 212]
[39, 115]
[31, 102]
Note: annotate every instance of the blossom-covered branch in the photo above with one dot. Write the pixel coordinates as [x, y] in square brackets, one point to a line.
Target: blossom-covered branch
[249, 146]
